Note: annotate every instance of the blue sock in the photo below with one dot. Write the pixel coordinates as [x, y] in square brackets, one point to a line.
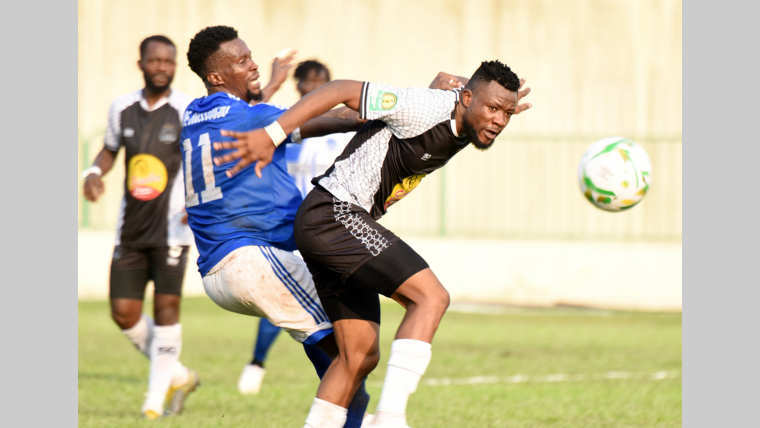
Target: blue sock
[358, 405]
[264, 339]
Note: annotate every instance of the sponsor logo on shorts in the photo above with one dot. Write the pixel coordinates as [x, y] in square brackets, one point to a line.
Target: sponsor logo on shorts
[426, 156]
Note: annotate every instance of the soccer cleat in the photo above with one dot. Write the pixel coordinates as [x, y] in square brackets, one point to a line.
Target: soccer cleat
[370, 421]
[251, 379]
[151, 414]
[177, 395]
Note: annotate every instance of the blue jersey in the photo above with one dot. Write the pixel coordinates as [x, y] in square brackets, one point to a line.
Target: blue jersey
[226, 213]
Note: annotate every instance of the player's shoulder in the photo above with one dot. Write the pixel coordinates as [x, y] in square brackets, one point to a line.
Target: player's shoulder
[179, 100]
[123, 101]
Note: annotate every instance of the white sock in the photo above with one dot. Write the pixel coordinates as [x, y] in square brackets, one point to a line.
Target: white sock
[324, 414]
[164, 356]
[141, 334]
[408, 361]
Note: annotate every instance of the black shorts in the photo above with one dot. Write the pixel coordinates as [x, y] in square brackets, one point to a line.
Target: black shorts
[351, 257]
[132, 268]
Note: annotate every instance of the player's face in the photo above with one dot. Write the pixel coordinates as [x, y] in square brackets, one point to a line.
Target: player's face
[158, 66]
[239, 72]
[488, 110]
[313, 80]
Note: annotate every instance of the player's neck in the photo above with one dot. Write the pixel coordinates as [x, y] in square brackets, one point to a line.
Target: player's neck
[152, 97]
[459, 118]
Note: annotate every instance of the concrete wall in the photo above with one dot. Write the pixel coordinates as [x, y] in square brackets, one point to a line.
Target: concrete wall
[535, 273]
[597, 68]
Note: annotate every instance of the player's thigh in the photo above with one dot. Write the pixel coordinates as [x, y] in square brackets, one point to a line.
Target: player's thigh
[168, 265]
[129, 273]
[342, 302]
[268, 282]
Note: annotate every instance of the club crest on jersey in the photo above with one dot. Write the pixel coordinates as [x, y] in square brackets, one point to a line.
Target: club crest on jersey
[129, 132]
[383, 101]
[168, 133]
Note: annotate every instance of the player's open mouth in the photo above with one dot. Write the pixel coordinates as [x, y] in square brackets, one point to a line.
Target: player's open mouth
[490, 134]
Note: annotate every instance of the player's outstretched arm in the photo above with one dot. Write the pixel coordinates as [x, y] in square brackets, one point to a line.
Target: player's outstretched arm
[445, 80]
[257, 145]
[281, 65]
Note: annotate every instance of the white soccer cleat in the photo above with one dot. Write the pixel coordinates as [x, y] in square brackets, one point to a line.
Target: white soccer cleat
[370, 421]
[177, 395]
[251, 379]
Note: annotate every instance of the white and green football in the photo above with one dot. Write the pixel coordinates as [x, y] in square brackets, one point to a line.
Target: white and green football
[614, 173]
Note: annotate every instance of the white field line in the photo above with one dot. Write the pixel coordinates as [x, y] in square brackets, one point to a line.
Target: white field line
[552, 378]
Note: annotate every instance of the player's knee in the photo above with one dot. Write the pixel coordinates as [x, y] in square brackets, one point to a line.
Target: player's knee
[361, 363]
[124, 318]
[437, 299]
[166, 310]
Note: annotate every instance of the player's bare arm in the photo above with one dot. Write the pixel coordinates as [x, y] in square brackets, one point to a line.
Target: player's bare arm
[259, 147]
[93, 184]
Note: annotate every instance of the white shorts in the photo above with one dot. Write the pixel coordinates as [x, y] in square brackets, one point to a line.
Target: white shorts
[265, 281]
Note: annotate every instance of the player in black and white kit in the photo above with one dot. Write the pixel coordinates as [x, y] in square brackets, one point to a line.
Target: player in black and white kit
[152, 237]
[410, 133]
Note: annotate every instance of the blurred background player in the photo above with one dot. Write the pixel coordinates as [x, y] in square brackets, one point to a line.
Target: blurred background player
[305, 161]
[152, 237]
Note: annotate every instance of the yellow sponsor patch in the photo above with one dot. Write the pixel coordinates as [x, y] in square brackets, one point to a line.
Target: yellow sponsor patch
[402, 189]
[146, 177]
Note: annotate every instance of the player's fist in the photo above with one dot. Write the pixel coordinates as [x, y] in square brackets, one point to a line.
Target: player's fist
[93, 187]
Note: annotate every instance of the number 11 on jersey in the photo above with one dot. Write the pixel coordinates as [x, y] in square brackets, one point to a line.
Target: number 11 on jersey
[211, 192]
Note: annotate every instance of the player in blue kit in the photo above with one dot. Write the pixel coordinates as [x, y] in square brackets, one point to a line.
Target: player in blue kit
[305, 161]
[243, 226]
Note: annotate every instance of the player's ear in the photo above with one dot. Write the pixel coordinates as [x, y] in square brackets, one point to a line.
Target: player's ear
[214, 79]
[465, 97]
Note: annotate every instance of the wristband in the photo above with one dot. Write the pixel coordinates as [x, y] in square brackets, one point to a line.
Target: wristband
[92, 170]
[295, 136]
[276, 133]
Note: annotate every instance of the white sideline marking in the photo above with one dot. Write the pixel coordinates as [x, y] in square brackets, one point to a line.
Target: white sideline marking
[559, 377]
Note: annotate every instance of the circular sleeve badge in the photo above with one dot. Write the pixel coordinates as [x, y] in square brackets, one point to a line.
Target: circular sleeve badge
[146, 177]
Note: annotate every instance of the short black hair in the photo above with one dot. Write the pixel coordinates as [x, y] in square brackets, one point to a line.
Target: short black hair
[494, 70]
[204, 44]
[155, 38]
[305, 67]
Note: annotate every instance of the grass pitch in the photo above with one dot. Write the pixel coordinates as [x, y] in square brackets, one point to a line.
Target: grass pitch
[511, 368]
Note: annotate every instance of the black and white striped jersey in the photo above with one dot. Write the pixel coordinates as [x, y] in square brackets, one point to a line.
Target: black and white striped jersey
[410, 133]
[154, 195]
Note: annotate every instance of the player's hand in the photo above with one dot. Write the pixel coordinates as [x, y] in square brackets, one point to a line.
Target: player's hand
[93, 187]
[184, 217]
[281, 65]
[251, 146]
[520, 94]
[445, 80]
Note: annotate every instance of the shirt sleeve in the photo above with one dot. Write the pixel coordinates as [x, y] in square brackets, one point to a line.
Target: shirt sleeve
[112, 140]
[408, 112]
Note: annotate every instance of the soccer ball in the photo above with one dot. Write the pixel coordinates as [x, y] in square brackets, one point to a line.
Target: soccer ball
[614, 173]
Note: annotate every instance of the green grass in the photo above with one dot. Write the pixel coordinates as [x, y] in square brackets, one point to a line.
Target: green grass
[534, 343]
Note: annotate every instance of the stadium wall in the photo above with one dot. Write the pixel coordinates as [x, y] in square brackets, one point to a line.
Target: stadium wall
[597, 68]
[635, 276]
